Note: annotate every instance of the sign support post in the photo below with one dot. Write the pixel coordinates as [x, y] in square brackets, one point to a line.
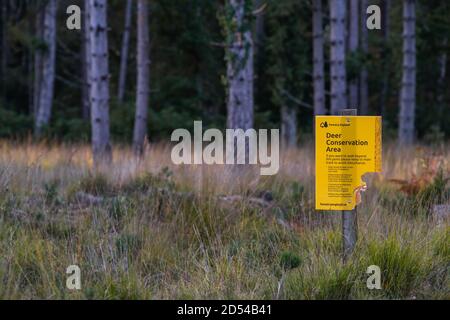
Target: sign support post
[347, 147]
[349, 217]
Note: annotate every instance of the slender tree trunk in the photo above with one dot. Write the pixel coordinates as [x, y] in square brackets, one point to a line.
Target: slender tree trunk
[337, 56]
[30, 69]
[353, 45]
[363, 78]
[442, 61]
[37, 66]
[259, 30]
[240, 69]
[99, 81]
[318, 59]
[85, 62]
[143, 77]
[124, 51]
[47, 70]
[30, 82]
[441, 81]
[288, 126]
[386, 29]
[408, 89]
[85, 84]
[4, 47]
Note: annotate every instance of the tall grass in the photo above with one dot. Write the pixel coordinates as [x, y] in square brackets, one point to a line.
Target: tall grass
[151, 230]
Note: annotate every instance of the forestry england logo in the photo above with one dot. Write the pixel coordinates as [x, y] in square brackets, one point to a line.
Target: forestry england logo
[242, 147]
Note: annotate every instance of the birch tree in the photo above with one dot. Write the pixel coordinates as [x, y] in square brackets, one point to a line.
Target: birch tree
[239, 57]
[99, 81]
[37, 67]
[353, 44]
[337, 56]
[386, 26]
[124, 51]
[288, 57]
[4, 45]
[259, 30]
[408, 88]
[442, 63]
[288, 126]
[45, 65]
[363, 78]
[143, 77]
[318, 59]
[85, 58]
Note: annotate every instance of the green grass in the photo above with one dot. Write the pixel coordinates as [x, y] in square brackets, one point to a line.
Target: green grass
[155, 235]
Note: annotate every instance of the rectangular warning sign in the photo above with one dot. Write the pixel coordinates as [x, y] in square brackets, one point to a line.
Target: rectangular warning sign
[347, 147]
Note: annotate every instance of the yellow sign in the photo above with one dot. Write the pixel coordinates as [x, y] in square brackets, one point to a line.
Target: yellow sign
[347, 147]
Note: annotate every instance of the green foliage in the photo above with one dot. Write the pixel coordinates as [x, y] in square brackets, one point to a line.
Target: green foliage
[51, 192]
[234, 31]
[118, 208]
[435, 135]
[441, 245]
[328, 283]
[200, 247]
[188, 73]
[435, 193]
[337, 284]
[354, 63]
[128, 245]
[297, 190]
[148, 181]
[70, 130]
[121, 120]
[287, 54]
[13, 124]
[402, 266]
[289, 260]
[95, 184]
[161, 123]
[59, 231]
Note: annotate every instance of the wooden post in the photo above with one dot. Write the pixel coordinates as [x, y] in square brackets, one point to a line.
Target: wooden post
[349, 217]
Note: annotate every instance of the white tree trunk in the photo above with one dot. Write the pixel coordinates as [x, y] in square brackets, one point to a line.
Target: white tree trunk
[99, 81]
[353, 44]
[363, 78]
[408, 89]
[4, 46]
[240, 70]
[318, 59]
[288, 126]
[46, 68]
[259, 30]
[124, 51]
[337, 56]
[442, 61]
[143, 77]
[37, 66]
[386, 69]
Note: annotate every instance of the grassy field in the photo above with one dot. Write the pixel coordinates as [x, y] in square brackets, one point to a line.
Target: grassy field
[152, 230]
